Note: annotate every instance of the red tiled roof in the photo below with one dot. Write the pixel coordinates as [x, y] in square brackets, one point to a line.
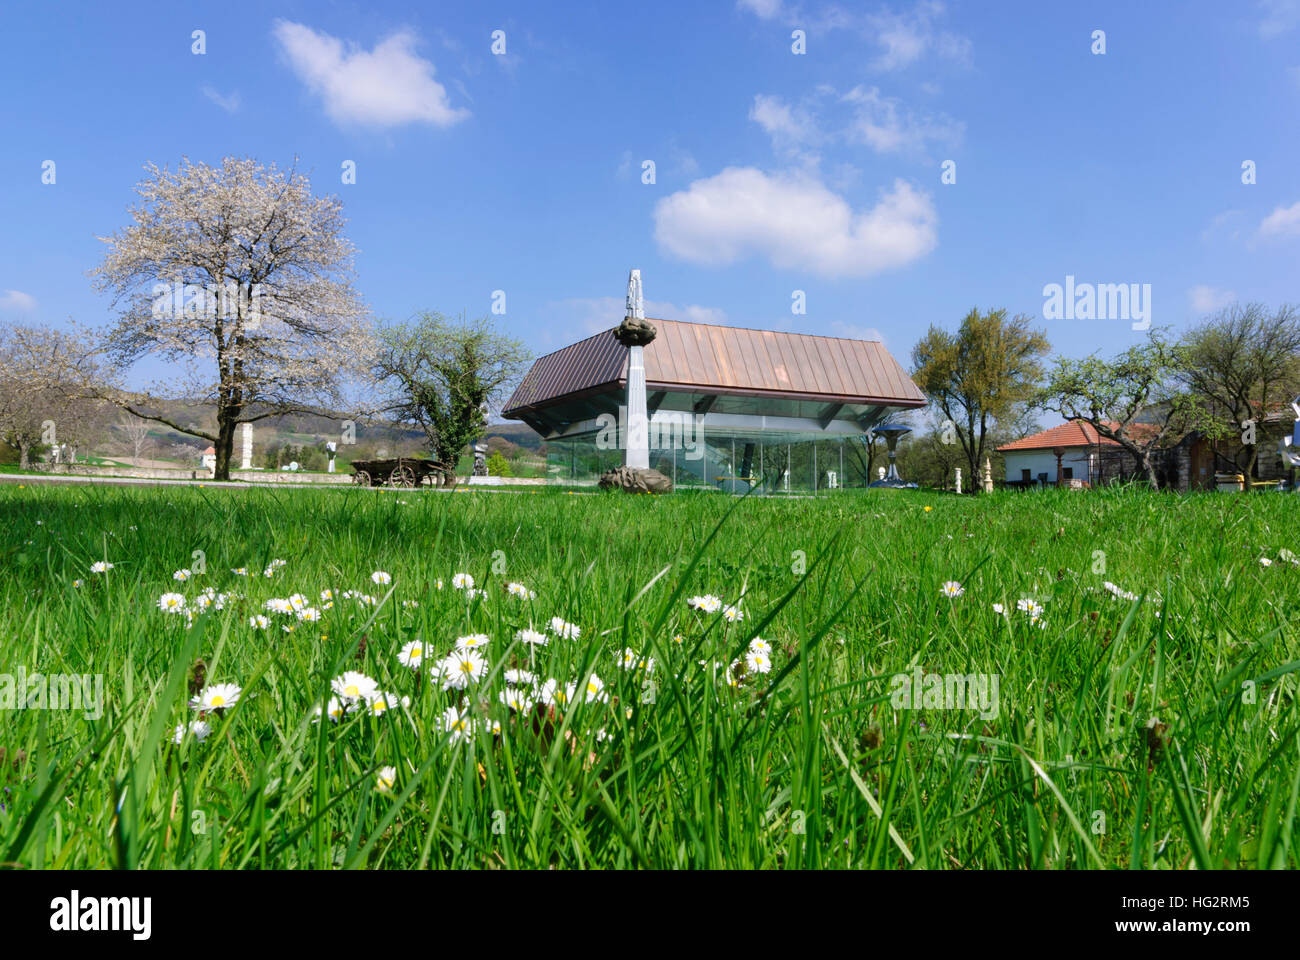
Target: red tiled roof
[711, 357]
[1076, 434]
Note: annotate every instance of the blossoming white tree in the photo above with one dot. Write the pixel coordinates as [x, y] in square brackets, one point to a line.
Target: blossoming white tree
[47, 378]
[240, 280]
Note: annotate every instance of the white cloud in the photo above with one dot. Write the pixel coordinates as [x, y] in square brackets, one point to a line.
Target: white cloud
[852, 331]
[1279, 17]
[227, 103]
[1222, 223]
[595, 314]
[763, 9]
[881, 124]
[795, 222]
[1206, 299]
[1282, 222]
[385, 87]
[17, 300]
[905, 38]
[790, 128]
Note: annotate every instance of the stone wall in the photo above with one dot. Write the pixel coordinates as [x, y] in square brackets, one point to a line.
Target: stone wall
[195, 473]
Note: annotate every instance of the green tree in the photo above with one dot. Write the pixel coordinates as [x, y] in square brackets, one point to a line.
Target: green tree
[1244, 361]
[984, 374]
[1132, 399]
[444, 374]
[498, 466]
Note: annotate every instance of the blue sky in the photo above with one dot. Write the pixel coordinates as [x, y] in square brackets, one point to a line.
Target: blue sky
[774, 171]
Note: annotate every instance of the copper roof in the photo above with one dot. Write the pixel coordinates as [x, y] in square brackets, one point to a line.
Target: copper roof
[708, 358]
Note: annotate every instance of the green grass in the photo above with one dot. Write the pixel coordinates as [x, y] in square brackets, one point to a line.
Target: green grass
[810, 765]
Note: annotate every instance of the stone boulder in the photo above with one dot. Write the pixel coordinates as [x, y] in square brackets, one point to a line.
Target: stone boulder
[635, 480]
[634, 332]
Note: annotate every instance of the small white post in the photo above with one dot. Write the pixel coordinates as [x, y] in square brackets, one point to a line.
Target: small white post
[959, 479]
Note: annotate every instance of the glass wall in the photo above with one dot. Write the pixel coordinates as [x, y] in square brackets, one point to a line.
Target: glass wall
[779, 464]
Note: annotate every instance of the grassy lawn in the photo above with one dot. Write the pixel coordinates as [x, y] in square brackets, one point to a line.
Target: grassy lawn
[803, 756]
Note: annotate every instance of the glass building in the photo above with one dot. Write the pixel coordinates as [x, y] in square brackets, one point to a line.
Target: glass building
[730, 408]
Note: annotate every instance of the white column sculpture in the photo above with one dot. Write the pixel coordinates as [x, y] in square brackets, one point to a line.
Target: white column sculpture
[246, 462]
[959, 479]
[637, 453]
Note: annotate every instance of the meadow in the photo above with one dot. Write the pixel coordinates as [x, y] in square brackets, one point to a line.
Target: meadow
[401, 679]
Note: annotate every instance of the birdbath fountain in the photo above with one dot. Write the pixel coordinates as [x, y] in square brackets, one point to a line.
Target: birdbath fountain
[892, 432]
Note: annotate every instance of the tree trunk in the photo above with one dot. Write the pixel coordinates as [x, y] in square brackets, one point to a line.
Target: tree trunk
[1252, 461]
[1150, 469]
[225, 444]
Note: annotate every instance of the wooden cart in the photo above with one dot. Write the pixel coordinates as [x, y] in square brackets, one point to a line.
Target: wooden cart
[400, 472]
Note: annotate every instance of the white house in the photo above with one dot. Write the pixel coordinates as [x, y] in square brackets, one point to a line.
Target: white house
[1034, 458]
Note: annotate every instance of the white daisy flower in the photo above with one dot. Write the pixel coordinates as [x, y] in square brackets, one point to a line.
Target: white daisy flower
[410, 603]
[461, 668]
[1265, 562]
[100, 566]
[461, 581]
[182, 575]
[259, 621]
[759, 645]
[554, 695]
[386, 779]
[595, 689]
[309, 615]
[951, 588]
[518, 678]
[1030, 606]
[518, 700]
[732, 614]
[353, 686]
[629, 659]
[334, 709]
[533, 637]
[474, 641]
[278, 605]
[216, 697]
[706, 604]
[239, 571]
[999, 609]
[199, 728]
[412, 655]
[78, 583]
[379, 702]
[171, 603]
[381, 578]
[756, 662]
[438, 584]
[326, 595]
[520, 591]
[459, 725]
[565, 630]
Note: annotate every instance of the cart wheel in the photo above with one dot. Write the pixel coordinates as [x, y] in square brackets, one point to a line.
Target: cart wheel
[361, 478]
[404, 476]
